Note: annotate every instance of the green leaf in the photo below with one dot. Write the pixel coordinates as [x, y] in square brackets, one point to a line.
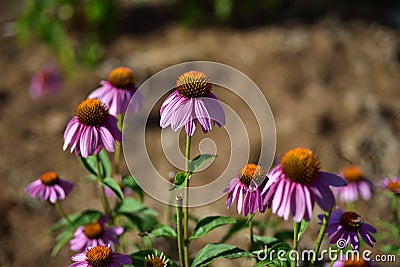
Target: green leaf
[303, 228]
[131, 205]
[284, 235]
[197, 162]
[140, 215]
[207, 224]
[239, 225]
[105, 163]
[212, 252]
[163, 231]
[250, 217]
[130, 182]
[90, 164]
[114, 186]
[62, 239]
[273, 256]
[265, 240]
[180, 181]
[139, 257]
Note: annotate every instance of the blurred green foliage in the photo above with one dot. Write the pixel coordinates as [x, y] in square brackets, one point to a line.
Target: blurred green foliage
[77, 30]
[73, 29]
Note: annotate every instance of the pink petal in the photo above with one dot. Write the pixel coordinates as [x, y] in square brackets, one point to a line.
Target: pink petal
[300, 205]
[107, 139]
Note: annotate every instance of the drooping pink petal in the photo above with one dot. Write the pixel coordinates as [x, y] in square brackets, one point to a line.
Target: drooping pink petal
[300, 204]
[202, 115]
[107, 139]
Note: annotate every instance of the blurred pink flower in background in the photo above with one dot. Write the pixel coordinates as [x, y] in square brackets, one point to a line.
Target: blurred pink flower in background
[358, 186]
[46, 81]
[392, 184]
[49, 187]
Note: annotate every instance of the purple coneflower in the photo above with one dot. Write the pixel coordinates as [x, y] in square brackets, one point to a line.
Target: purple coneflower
[357, 185]
[192, 102]
[297, 182]
[91, 129]
[393, 184]
[118, 91]
[100, 256]
[45, 82]
[346, 225]
[246, 189]
[94, 234]
[156, 261]
[49, 187]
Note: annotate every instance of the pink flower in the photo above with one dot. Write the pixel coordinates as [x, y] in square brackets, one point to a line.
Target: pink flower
[392, 184]
[192, 102]
[100, 256]
[49, 187]
[296, 183]
[347, 225]
[246, 189]
[94, 234]
[357, 186]
[91, 129]
[45, 82]
[118, 91]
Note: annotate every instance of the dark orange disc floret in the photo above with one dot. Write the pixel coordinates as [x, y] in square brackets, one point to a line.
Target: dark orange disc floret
[251, 172]
[155, 262]
[193, 84]
[93, 230]
[351, 220]
[394, 186]
[49, 178]
[300, 165]
[122, 78]
[91, 112]
[99, 256]
[355, 262]
[352, 173]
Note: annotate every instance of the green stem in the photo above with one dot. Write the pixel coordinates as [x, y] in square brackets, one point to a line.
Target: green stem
[186, 211]
[321, 234]
[394, 210]
[350, 206]
[296, 229]
[62, 212]
[179, 230]
[117, 152]
[251, 232]
[100, 178]
[395, 214]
